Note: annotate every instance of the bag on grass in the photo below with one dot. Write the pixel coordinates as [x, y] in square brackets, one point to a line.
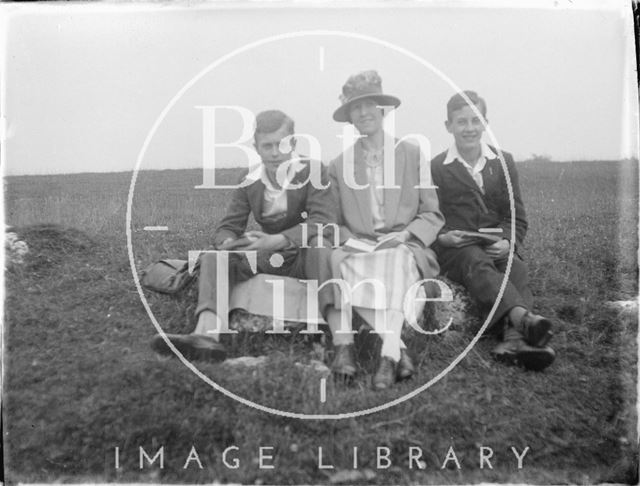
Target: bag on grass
[167, 276]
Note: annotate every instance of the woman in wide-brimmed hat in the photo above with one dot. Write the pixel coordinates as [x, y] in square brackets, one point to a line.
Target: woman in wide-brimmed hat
[405, 216]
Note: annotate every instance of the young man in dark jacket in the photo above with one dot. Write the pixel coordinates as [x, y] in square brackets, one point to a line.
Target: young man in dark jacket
[282, 202]
[474, 195]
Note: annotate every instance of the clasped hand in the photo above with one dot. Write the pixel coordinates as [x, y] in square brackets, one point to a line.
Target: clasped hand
[453, 239]
[498, 250]
[259, 241]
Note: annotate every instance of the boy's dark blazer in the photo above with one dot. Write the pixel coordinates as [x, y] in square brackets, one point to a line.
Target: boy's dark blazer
[317, 204]
[465, 207]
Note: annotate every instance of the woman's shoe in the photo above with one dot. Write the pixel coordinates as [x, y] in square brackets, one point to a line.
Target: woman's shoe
[344, 363]
[385, 377]
[405, 366]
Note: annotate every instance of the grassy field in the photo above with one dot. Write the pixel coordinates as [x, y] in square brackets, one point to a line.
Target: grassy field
[80, 379]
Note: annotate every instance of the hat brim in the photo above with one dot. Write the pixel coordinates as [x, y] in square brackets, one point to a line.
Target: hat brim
[342, 113]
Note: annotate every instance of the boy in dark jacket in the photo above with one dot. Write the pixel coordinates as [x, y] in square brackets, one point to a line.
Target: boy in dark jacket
[282, 208]
[474, 195]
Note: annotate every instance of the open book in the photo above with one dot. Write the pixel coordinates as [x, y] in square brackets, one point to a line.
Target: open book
[367, 246]
[482, 237]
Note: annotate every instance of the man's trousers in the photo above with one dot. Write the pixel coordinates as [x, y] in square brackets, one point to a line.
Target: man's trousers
[301, 263]
[472, 267]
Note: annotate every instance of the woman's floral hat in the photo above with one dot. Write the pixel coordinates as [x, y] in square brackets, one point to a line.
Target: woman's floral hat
[367, 84]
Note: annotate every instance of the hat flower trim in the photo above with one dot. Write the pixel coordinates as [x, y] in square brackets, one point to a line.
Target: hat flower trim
[360, 83]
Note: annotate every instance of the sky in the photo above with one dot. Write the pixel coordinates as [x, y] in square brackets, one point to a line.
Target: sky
[114, 86]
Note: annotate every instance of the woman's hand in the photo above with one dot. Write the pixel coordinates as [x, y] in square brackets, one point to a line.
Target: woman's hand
[401, 236]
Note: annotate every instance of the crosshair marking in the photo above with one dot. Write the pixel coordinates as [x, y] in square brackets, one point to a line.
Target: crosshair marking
[276, 260]
[321, 58]
[323, 390]
[156, 228]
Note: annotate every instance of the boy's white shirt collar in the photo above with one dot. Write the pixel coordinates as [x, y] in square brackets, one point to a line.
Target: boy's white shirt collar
[485, 154]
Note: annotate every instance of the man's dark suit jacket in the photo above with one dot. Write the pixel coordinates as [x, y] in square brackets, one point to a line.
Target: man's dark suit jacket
[318, 205]
[466, 208]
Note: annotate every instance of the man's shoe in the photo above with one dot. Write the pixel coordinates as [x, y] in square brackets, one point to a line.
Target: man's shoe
[344, 363]
[192, 346]
[385, 377]
[535, 329]
[517, 352]
[405, 366]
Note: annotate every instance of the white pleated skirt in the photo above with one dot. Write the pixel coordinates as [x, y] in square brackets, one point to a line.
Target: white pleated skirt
[378, 280]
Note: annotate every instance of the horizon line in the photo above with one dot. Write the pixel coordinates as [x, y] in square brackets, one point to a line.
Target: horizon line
[538, 160]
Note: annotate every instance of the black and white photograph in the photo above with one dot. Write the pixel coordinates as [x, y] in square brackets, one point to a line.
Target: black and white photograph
[320, 242]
